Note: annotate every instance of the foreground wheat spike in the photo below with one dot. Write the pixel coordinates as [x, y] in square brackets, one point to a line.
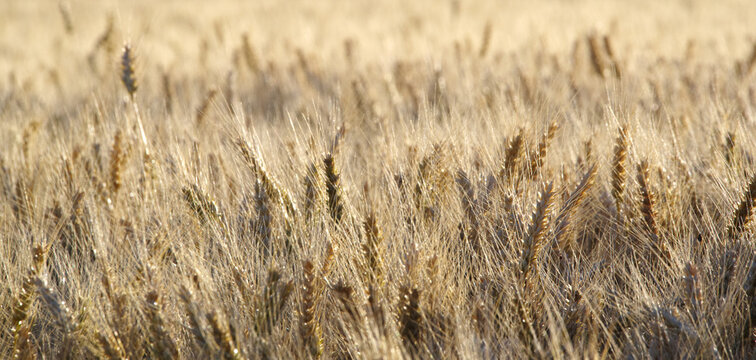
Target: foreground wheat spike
[195, 324]
[309, 328]
[21, 324]
[311, 182]
[127, 71]
[62, 314]
[744, 212]
[562, 221]
[222, 337]
[273, 189]
[128, 78]
[537, 231]
[372, 250]
[512, 157]
[335, 203]
[203, 205]
[111, 346]
[345, 296]
[619, 169]
[163, 345]
[271, 303]
[117, 160]
[410, 319]
[468, 204]
[648, 200]
[263, 224]
[536, 160]
[118, 318]
[693, 288]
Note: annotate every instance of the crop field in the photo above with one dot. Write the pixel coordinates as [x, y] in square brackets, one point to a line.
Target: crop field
[456, 179]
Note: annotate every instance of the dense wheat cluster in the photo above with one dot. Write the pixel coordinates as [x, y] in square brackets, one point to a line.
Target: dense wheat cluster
[430, 179]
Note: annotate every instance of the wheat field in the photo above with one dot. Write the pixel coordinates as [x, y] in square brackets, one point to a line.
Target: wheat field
[399, 179]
